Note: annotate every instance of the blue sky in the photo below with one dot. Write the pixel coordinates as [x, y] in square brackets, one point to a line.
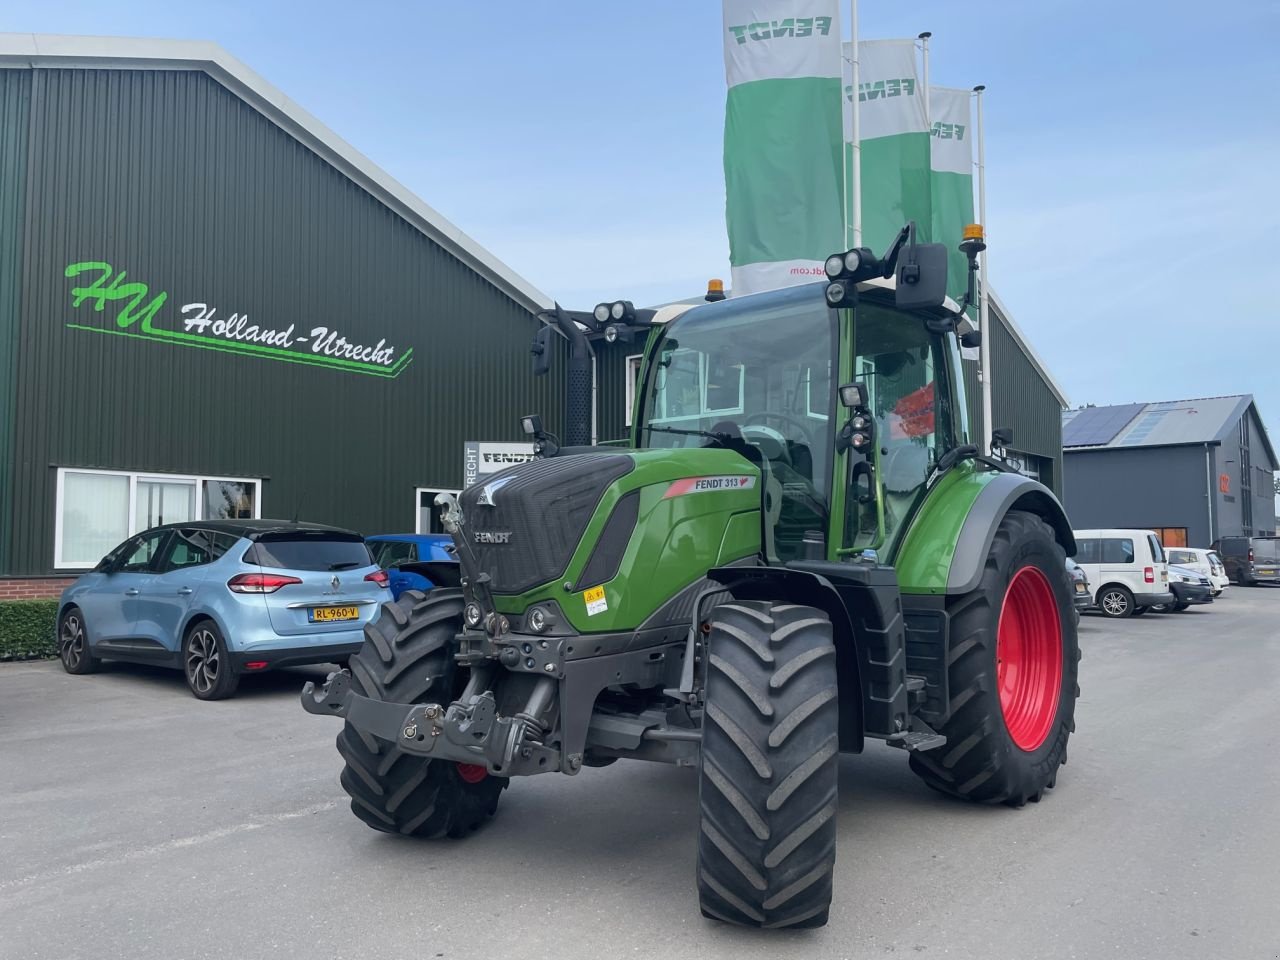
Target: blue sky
[1131, 150]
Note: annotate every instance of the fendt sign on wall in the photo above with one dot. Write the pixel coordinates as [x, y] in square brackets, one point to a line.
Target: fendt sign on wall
[483, 458]
[198, 324]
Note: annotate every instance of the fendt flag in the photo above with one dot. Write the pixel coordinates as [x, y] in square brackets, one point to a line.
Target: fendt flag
[894, 136]
[951, 178]
[782, 140]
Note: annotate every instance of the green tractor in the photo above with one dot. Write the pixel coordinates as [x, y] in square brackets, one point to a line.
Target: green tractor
[802, 549]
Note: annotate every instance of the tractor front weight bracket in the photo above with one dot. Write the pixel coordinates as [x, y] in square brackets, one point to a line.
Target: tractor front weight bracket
[468, 732]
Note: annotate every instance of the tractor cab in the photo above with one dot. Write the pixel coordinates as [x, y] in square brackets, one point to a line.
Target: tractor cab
[755, 375]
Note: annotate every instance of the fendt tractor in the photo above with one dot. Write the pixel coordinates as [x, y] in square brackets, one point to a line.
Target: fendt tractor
[801, 549]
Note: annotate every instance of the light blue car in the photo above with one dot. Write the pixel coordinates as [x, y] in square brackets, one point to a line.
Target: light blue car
[221, 598]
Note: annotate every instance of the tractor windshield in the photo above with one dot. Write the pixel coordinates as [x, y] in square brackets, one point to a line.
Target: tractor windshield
[756, 378]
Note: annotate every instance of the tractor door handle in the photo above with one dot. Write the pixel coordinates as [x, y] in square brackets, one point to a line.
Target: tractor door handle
[131, 592]
[185, 591]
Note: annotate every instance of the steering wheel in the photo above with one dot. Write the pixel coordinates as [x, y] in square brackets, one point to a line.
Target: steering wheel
[794, 421]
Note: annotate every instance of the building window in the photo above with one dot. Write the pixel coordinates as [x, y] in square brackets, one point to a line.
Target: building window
[98, 509]
[428, 515]
[1171, 536]
[633, 381]
[1246, 477]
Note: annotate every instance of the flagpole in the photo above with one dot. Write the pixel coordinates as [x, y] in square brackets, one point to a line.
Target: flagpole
[984, 362]
[855, 188]
[924, 44]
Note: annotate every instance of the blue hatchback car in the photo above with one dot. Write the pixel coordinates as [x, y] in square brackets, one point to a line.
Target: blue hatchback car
[221, 598]
[412, 560]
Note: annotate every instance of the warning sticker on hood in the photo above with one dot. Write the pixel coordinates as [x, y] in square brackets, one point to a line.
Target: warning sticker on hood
[709, 485]
[595, 601]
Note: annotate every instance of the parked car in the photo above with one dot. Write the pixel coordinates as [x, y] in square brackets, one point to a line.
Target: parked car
[1204, 562]
[1250, 560]
[408, 559]
[220, 598]
[1188, 586]
[1081, 595]
[1126, 569]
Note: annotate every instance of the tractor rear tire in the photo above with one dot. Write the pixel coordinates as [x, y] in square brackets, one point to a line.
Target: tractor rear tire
[1013, 664]
[407, 658]
[767, 774]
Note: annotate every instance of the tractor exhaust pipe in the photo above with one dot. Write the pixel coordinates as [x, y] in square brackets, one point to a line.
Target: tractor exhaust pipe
[577, 414]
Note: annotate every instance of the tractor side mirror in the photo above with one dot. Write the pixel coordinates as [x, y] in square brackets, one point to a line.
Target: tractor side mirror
[541, 350]
[1001, 437]
[921, 276]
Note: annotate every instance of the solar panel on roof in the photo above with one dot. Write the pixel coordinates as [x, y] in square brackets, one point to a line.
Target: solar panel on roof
[1143, 428]
[1096, 426]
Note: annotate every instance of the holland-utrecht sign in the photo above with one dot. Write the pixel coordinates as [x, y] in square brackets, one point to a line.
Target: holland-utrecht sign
[198, 324]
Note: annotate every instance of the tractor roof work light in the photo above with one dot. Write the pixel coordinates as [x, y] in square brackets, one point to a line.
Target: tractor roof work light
[601, 313]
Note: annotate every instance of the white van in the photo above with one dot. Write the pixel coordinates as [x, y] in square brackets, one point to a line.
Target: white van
[1127, 570]
[1204, 562]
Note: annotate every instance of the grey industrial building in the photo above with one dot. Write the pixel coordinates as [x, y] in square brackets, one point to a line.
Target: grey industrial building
[211, 305]
[1193, 470]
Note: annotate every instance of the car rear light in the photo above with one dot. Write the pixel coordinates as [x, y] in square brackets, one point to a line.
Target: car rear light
[379, 577]
[256, 665]
[1251, 554]
[259, 582]
[1149, 574]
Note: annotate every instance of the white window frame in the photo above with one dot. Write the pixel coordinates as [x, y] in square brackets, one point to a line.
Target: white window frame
[134, 476]
[633, 381]
[417, 503]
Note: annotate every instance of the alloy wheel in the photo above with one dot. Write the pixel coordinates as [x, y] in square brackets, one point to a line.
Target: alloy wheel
[203, 660]
[71, 641]
[1115, 604]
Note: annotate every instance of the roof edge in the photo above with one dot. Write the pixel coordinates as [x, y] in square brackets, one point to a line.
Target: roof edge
[1025, 345]
[55, 50]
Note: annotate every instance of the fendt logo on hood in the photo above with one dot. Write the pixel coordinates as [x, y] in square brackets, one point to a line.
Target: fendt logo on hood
[493, 536]
[777, 29]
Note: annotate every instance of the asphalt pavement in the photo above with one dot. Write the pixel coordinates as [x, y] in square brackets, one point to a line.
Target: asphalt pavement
[137, 822]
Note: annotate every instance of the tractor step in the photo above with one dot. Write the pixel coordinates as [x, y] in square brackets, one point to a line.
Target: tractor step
[919, 738]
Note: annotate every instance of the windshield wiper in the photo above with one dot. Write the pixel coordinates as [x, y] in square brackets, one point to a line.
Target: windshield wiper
[345, 565]
[720, 438]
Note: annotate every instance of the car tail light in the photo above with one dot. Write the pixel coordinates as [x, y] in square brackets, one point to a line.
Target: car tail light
[379, 577]
[256, 665]
[259, 582]
[1251, 554]
[1149, 574]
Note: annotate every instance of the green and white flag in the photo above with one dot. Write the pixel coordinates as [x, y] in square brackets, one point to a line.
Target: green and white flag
[894, 137]
[782, 140]
[952, 178]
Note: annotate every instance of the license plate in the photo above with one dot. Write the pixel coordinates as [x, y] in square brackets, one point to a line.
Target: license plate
[1268, 572]
[332, 614]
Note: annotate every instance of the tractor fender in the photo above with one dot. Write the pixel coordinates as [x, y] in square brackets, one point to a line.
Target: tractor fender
[786, 585]
[1005, 492]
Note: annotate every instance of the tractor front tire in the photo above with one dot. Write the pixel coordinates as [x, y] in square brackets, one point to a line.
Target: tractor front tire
[407, 658]
[1013, 663]
[767, 775]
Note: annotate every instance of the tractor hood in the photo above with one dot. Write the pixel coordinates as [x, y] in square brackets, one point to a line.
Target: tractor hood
[575, 524]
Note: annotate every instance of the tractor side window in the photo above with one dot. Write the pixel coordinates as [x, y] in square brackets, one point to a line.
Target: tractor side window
[905, 369]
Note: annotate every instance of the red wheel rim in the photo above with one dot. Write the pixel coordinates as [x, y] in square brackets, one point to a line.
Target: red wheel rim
[472, 772]
[1029, 658]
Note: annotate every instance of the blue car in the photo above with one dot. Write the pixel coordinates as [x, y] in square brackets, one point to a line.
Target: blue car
[221, 598]
[415, 561]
